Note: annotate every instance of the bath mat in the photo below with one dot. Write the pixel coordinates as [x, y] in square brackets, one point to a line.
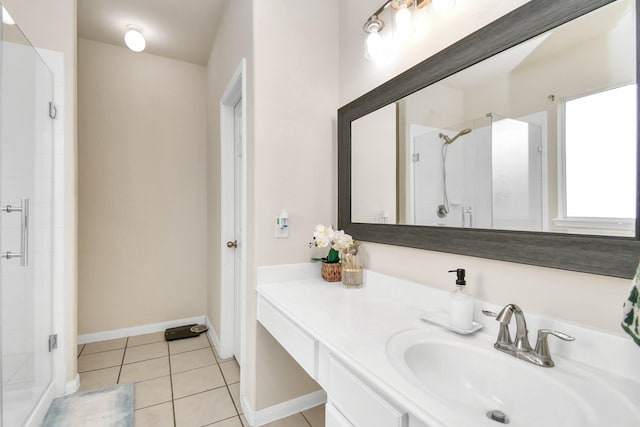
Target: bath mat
[104, 407]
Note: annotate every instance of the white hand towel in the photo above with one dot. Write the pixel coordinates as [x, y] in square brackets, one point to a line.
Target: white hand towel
[631, 309]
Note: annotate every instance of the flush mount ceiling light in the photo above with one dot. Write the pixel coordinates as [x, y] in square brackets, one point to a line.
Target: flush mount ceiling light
[407, 15]
[6, 18]
[134, 39]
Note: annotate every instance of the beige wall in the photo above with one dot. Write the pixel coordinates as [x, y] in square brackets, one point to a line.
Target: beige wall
[373, 166]
[142, 188]
[296, 97]
[290, 156]
[232, 43]
[52, 25]
[590, 300]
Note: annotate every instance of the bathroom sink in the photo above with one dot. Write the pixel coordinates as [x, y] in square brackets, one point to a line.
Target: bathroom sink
[471, 379]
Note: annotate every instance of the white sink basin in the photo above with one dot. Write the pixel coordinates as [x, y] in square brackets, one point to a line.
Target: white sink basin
[470, 378]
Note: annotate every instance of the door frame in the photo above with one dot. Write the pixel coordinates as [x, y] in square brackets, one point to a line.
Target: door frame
[235, 91]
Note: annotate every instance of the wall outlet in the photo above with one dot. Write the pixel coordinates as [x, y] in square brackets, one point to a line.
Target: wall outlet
[282, 227]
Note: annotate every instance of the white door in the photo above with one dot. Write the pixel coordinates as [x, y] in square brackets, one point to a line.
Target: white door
[233, 216]
[26, 231]
[237, 193]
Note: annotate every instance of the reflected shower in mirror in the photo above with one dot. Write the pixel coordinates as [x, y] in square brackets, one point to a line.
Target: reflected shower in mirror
[541, 137]
[488, 175]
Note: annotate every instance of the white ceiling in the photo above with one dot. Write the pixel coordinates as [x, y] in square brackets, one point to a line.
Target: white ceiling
[178, 29]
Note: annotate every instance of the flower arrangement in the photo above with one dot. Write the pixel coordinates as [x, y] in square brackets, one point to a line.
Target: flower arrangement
[324, 236]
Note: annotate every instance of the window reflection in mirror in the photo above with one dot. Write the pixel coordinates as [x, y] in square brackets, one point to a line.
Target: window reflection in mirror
[599, 162]
[484, 148]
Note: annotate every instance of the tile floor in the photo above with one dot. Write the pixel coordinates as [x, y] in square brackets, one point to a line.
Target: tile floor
[180, 383]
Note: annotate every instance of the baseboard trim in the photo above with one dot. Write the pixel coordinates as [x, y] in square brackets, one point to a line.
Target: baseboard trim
[73, 385]
[212, 334]
[137, 330]
[282, 410]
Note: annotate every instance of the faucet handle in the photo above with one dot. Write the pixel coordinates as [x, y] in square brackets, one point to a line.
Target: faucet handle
[542, 333]
[542, 346]
[504, 336]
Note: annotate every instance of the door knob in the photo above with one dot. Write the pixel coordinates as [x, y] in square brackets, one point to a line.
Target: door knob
[233, 244]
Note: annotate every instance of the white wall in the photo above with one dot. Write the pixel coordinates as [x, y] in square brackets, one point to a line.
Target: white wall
[142, 188]
[582, 298]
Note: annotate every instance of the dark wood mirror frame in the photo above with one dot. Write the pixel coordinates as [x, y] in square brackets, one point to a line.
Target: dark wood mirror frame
[609, 256]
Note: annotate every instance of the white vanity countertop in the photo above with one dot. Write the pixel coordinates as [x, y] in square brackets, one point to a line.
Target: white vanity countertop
[355, 324]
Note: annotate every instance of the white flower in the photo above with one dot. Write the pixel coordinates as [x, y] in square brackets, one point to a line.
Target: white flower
[341, 240]
[323, 236]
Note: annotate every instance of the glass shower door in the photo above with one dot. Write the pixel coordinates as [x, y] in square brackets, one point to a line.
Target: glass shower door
[26, 229]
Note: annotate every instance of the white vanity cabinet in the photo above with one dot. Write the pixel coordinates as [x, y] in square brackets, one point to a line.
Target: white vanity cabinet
[351, 402]
[359, 404]
[300, 345]
[354, 343]
[333, 417]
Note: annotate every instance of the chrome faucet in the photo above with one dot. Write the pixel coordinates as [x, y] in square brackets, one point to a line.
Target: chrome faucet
[521, 341]
[520, 347]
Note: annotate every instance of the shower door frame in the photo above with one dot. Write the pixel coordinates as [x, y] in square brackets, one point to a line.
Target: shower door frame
[54, 62]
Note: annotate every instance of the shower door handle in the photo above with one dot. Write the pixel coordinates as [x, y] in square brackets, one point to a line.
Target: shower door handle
[464, 211]
[24, 233]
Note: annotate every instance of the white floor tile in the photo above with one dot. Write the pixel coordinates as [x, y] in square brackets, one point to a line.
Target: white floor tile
[152, 392]
[204, 408]
[145, 352]
[147, 370]
[196, 381]
[192, 359]
[231, 371]
[155, 416]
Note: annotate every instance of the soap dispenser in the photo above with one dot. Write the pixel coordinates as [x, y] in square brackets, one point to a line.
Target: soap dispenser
[460, 304]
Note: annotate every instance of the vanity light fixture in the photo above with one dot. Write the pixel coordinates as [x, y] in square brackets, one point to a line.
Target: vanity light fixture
[134, 39]
[374, 45]
[443, 5]
[402, 18]
[406, 14]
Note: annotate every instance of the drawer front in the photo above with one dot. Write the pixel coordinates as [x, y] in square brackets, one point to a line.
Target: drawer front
[360, 404]
[333, 417]
[298, 344]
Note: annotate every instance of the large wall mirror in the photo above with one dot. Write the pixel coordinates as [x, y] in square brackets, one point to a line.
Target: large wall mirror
[517, 143]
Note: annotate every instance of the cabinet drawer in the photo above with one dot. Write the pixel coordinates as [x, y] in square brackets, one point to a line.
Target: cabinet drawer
[362, 406]
[333, 417]
[298, 344]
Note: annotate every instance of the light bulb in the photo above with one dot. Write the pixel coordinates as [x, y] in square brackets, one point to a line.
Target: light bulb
[134, 39]
[374, 45]
[6, 18]
[404, 26]
[443, 5]
[421, 21]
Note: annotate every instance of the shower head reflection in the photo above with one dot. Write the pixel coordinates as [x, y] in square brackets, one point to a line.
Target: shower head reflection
[449, 140]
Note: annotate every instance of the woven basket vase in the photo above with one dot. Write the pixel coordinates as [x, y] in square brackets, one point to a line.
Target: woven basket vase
[331, 272]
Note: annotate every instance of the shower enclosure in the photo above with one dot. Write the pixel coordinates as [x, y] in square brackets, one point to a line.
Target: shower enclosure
[486, 173]
[26, 230]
